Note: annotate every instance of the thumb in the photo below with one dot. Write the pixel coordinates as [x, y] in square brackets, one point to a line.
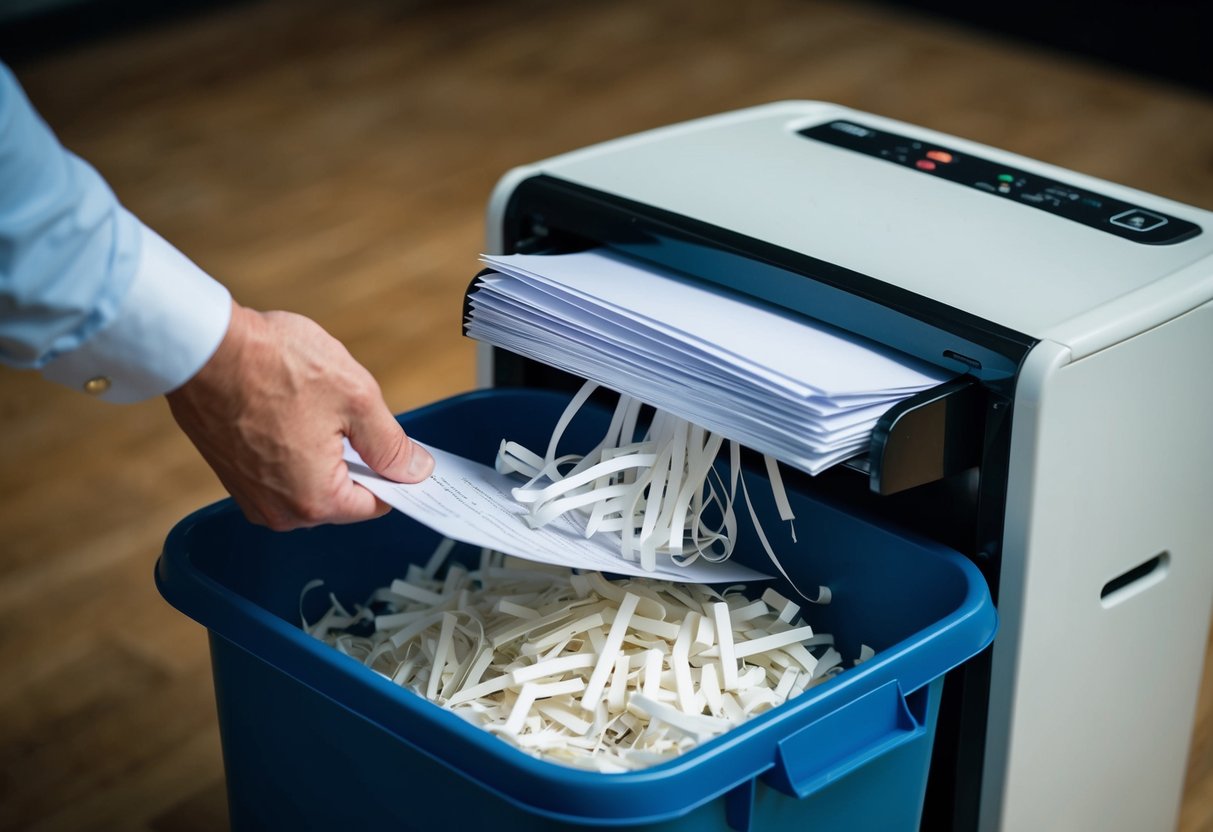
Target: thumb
[383, 445]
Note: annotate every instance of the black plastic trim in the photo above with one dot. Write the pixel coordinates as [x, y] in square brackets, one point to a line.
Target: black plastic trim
[577, 216]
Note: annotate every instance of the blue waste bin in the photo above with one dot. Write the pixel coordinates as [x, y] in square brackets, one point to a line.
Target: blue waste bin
[314, 740]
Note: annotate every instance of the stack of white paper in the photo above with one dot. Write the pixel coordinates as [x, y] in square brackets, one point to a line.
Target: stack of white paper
[782, 385]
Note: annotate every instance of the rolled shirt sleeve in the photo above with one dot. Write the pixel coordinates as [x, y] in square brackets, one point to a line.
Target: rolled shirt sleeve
[89, 295]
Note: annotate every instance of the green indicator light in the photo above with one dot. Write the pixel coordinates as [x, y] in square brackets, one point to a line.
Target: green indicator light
[1005, 177]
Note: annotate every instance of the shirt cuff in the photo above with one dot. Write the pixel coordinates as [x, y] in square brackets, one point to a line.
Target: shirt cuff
[170, 323]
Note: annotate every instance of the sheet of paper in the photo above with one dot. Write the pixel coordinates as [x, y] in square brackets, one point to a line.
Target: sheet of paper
[472, 503]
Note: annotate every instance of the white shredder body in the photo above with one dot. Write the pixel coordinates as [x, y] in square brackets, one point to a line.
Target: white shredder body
[1105, 566]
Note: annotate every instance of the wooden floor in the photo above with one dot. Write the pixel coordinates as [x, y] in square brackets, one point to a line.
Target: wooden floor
[334, 159]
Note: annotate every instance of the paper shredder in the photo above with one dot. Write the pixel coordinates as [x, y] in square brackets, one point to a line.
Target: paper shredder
[1070, 459]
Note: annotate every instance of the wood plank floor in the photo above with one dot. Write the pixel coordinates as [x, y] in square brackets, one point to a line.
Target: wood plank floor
[334, 159]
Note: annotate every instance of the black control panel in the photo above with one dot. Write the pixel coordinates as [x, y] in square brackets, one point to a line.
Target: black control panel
[1113, 216]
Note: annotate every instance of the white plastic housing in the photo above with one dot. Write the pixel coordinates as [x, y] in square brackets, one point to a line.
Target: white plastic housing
[1093, 697]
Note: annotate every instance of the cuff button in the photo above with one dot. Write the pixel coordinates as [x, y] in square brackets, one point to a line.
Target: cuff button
[98, 385]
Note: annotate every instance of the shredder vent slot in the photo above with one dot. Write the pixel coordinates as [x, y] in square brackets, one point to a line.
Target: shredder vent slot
[1133, 581]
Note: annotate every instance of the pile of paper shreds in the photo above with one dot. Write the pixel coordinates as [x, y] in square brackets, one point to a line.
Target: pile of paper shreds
[579, 669]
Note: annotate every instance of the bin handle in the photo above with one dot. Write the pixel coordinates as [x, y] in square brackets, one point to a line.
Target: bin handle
[836, 744]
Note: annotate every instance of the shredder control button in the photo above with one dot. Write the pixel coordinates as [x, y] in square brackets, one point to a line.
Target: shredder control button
[1136, 219]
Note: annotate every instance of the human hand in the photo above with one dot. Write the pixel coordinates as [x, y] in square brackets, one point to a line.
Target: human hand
[269, 411]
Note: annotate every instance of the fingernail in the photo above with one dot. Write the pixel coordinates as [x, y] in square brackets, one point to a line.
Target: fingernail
[421, 463]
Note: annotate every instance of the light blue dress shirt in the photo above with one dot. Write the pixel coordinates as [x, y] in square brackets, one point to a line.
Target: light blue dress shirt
[89, 295]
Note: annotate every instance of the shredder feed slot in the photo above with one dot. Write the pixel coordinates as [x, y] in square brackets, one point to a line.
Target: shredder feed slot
[929, 436]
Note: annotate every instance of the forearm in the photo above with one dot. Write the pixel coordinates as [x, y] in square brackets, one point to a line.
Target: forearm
[88, 294]
[168, 324]
[99, 302]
